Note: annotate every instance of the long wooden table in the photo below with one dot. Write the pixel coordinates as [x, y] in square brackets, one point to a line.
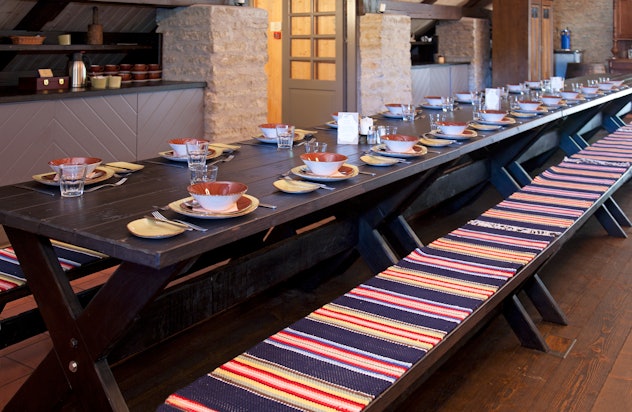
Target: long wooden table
[370, 207]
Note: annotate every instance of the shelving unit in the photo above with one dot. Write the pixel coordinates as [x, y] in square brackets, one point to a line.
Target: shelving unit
[621, 37]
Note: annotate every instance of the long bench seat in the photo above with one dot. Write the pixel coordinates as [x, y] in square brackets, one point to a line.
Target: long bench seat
[75, 261]
[362, 350]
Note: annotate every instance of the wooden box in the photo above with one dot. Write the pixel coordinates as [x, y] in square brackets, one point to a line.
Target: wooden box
[43, 83]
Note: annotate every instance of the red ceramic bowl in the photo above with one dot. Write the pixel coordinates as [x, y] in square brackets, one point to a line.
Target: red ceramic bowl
[454, 128]
[217, 196]
[433, 100]
[551, 100]
[528, 105]
[394, 108]
[493, 115]
[269, 130]
[323, 164]
[92, 163]
[179, 145]
[399, 143]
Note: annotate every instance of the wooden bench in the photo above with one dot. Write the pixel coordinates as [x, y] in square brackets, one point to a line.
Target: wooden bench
[76, 262]
[363, 350]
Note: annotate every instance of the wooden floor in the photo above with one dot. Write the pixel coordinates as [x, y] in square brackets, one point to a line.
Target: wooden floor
[591, 369]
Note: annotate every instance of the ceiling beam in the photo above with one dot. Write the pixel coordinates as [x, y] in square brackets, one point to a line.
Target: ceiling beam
[423, 11]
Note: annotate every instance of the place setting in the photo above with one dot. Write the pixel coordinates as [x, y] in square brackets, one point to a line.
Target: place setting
[94, 172]
[285, 136]
[526, 108]
[178, 152]
[216, 200]
[399, 146]
[325, 167]
[495, 118]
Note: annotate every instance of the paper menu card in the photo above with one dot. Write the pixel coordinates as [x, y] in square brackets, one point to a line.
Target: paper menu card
[347, 128]
[492, 99]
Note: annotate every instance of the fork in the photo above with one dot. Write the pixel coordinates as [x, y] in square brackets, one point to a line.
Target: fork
[322, 186]
[223, 160]
[159, 216]
[92, 189]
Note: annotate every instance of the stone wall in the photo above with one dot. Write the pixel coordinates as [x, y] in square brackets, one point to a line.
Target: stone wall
[227, 48]
[384, 73]
[467, 40]
[590, 23]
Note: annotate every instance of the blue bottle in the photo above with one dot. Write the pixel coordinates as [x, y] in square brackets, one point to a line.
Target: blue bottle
[566, 39]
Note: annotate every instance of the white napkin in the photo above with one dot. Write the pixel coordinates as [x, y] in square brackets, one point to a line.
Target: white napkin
[492, 99]
[348, 128]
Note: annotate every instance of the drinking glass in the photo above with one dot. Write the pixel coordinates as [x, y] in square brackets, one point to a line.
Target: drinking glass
[373, 136]
[315, 147]
[203, 173]
[384, 130]
[197, 151]
[408, 112]
[285, 136]
[447, 103]
[434, 119]
[72, 179]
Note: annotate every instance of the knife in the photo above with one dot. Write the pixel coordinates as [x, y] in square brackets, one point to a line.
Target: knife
[185, 227]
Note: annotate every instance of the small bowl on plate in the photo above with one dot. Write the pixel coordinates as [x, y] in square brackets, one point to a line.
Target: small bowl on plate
[569, 94]
[179, 145]
[493, 115]
[534, 84]
[529, 105]
[91, 162]
[616, 83]
[463, 96]
[268, 130]
[589, 89]
[452, 128]
[324, 163]
[217, 196]
[394, 108]
[606, 86]
[399, 143]
[514, 88]
[335, 116]
[551, 100]
[433, 100]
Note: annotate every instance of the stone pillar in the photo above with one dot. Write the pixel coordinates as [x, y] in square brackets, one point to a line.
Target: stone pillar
[226, 47]
[384, 68]
[467, 40]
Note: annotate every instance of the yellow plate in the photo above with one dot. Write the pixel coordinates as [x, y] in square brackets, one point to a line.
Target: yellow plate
[295, 186]
[102, 173]
[151, 229]
[122, 167]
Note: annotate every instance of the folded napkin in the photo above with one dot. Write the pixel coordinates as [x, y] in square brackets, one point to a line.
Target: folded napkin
[125, 166]
[305, 131]
[225, 146]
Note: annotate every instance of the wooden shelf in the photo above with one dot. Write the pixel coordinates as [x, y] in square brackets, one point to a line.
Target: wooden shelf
[53, 48]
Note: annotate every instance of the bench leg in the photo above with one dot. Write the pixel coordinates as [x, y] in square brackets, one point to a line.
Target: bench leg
[617, 213]
[522, 325]
[609, 223]
[374, 249]
[544, 301]
[405, 236]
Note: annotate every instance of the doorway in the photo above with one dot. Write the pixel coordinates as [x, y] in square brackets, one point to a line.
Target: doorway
[311, 59]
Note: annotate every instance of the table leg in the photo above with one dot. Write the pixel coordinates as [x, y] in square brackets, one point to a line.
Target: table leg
[82, 338]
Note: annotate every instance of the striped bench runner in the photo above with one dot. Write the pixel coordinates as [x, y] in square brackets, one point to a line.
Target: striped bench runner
[345, 354]
[70, 257]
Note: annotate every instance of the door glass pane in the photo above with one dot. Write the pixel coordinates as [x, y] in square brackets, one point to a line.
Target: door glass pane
[326, 48]
[325, 71]
[300, 70]
[301, 48]
[300, 26]
[325, 25]
[325, 5]
[300, 6]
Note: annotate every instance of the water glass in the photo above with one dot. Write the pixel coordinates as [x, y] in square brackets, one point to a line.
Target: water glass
[434, 119]
[197, 152]
[72, 179]
[477, 108]
[203, 173]
[285, 136]
[447, 103]
[385, 130]
[408, 112]
[315, 147]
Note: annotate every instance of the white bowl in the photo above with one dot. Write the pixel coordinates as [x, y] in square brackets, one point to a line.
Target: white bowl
[179, 145]
[551, 100]
[534, 84]
[616, 83]
[606, 86]
[217, 196]
[394, 108]
[323, 164]
[91, 162]
[569, 94]
[589, 89]
[464, 96]
[514, 88]
[493, 115]
[528, 105]
[335, 116]
[454, 128]
[269, 130]
[399, 143]
[433, 100]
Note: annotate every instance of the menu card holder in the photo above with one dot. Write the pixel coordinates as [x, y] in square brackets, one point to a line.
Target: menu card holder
[348, 128]
[492, 99]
